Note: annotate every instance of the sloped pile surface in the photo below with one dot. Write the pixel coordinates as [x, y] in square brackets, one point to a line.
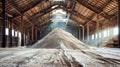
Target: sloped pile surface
[60, 39]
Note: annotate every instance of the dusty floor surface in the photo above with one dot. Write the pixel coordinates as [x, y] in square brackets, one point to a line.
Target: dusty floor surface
[59, 49]
[95, 57]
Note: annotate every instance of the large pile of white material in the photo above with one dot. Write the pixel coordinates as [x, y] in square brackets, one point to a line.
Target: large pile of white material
[60, 39]
[60, 54]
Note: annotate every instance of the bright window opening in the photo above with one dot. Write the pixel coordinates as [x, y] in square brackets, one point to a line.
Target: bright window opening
[19, 35]
[115, 31]
[96, 36]
[7, 31]
[15, 33]
[12, 32]
[100, 35]
[105, 33]
[108, 33]
[92, 36]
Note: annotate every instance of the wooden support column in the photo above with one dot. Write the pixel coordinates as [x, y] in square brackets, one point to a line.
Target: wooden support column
[3, 24]
[102, 35]
[119, 21]
[79, 33]
[32, 35]
[97, 32]
[36, 35]
[22, 32]
[83, 33]
[100, 28]
[88, 32]
[29, 35]
[10, 32]
[7, 36]
[111, 30]
[28, 38]
[18, 36]
[16, 39]
[24, 39]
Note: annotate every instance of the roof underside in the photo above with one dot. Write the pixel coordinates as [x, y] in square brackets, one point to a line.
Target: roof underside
[38, 12]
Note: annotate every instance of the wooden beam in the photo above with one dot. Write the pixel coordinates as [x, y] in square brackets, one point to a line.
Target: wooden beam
[40, 14]
[29, 6]
[48, 20]
[18, 10]
[78, 22]
[91, 20]
[14, 5]
[47, 10]
[103, 6]
[91, 7]
[35, 20]
[43, 12]
[78, 14]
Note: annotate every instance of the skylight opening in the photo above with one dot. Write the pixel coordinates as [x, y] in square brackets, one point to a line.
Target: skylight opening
[59, 16]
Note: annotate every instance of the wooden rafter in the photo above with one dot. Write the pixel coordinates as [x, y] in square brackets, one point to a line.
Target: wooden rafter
[103, 6]
[78, 22]
[15, 6]
[69, 10]
[78, 14]
[42, 13]
[91, 7]
[28, 7]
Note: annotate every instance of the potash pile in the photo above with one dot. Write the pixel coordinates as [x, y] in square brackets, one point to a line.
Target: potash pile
[60, 39]
[60, 49]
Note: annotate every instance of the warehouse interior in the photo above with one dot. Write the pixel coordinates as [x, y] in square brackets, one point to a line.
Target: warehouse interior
[33, 32]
